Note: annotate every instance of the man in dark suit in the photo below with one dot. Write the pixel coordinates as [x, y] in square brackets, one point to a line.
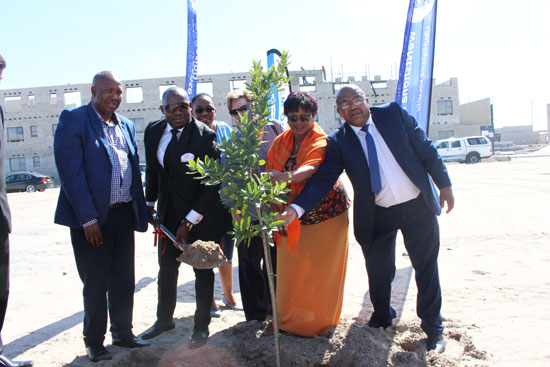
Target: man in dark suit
[185, 206]
[5, 229]
[389, 161]
[101, 200]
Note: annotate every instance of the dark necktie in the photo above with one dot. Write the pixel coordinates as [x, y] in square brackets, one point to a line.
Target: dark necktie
[375, 182]
[171, 149]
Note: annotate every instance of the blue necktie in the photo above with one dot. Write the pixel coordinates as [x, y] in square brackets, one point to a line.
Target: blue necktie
[375, 182]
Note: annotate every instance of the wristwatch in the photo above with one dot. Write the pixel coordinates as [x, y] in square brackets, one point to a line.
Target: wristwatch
[187, 224]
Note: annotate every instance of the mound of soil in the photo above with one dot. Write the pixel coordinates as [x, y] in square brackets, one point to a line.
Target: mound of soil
[203, 255]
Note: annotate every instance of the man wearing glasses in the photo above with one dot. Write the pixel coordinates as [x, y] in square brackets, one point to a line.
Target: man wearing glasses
[185, 206]
[253, 281]
[391, 164]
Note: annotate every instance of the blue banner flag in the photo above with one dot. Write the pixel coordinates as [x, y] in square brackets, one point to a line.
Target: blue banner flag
[276, 110]
[191, 72]
[414, 86]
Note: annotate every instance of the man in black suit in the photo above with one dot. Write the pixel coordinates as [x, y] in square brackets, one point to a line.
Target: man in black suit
[185, 206]
[5, 229]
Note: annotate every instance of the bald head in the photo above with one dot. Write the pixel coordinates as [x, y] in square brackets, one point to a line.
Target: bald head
[174, 92]
[347, 90]
[106, 93]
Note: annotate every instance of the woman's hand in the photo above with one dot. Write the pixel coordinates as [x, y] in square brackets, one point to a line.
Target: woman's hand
[277, 176]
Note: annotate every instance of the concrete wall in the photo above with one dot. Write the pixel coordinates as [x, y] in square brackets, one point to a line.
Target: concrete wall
[43, 112]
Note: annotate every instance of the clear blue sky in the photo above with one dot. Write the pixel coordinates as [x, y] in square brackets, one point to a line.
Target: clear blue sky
[497, 49]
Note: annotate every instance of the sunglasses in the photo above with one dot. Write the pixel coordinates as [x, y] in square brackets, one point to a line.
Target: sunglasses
[243, 108]
[303, 118]
[171, 108]
[200, 110]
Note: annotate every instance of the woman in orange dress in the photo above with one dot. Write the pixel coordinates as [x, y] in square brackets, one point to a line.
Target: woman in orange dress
[311, 261]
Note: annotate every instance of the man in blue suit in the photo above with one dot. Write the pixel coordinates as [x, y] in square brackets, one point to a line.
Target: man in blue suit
[389, 161]
[101, 200]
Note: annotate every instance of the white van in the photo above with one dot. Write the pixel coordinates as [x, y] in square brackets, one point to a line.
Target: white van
[469, 149]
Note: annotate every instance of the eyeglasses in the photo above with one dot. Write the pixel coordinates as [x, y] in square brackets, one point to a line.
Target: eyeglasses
[356, 102]
[303, 118]
[243, 108]
[171, 108]
[200, 110]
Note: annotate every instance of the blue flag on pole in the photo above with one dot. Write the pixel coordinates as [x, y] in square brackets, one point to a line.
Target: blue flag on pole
[191, 72]
[414, 86]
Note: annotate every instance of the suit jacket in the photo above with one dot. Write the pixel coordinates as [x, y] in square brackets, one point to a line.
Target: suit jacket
[176, 190]
[408, 143]
[5, 216]
[82, 156]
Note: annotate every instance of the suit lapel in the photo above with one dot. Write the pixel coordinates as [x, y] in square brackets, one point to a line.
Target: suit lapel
[353, 143]
[97, 126]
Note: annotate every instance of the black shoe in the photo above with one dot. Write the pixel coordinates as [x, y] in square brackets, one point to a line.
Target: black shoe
[97, 353]
[157, 329]
[198, 339]
[375, 324]
[436, 343]
[6, 362]
[132, 342]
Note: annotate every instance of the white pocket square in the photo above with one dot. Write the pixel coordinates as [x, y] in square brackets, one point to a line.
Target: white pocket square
[187, 157]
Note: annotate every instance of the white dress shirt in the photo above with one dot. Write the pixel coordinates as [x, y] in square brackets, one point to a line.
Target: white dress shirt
[192, 216]
[397, 187]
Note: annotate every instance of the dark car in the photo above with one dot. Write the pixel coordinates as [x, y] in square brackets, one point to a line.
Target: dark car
[28, 181]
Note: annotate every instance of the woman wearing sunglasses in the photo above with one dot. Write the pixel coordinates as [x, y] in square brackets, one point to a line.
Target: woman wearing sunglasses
[205, 112]
[312, 258]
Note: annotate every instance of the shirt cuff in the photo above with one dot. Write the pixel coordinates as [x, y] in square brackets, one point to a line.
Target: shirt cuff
[89, 223]
[150, 203]
[193, 217]
[299, 209]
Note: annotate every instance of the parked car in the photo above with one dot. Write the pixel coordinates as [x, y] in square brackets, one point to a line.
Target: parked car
[469, 149]
[28, 181]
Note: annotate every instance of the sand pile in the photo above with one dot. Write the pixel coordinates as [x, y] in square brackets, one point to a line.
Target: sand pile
[203, 255]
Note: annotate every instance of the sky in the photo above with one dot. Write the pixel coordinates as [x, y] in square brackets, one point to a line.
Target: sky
[497, 49]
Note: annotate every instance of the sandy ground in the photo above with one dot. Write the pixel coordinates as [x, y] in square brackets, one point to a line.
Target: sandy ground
[494, 265]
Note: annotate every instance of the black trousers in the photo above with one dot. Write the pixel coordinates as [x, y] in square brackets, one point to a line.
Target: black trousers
[421, 236]
[4, 274]
[168, 284]
[253, 279]
[107, 273]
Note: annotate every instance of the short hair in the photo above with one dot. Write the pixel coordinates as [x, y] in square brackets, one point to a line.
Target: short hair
[2, 63]
[178, 91]
[356, 88]
[304, 100]
[202, 95]
[238, 93]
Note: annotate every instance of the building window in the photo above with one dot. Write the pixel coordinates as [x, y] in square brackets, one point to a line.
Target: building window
[13, 104]
[140, 124]
[31, 100]
[205, 87]
[15, 133]
[54, 126]
[445, 134]
[72, 99]
[34, 131]
[134, 94]
[53, 98]
[17, 164]
[36, 161]
[162, 89]
[237, 84]
[445, 107]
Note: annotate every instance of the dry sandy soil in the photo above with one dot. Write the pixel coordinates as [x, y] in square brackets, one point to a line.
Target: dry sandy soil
[494, 265]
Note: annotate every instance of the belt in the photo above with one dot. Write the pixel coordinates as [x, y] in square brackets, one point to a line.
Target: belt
[120, 204]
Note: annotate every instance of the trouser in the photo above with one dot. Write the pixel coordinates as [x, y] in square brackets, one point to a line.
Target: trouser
[4, 274]
[168, 284]
[107, 273]
[420, 230]
[253, 279]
